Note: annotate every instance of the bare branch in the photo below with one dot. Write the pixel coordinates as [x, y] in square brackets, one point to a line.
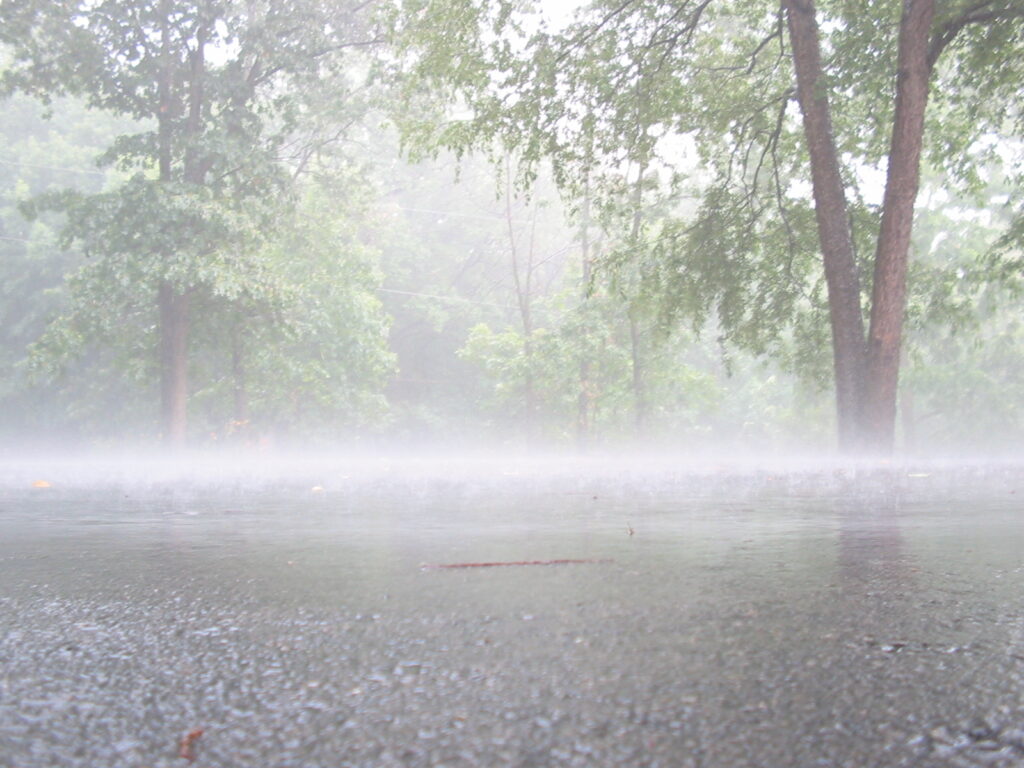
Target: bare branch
[981, 12]
[589, 34]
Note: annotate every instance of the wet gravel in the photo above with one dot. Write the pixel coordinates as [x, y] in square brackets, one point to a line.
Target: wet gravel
[729, 619]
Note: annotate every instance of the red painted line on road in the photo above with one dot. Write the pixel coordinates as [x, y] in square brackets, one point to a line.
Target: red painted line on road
[187, 745]
[505, 564]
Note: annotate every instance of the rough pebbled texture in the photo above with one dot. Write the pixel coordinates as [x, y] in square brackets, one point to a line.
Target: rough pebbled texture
[754, 620]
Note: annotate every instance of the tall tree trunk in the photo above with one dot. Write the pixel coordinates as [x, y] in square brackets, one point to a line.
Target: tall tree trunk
[585, 399]
[889, 291]
[172, 303]
[841, 275]
[173, 363]
[240, 420]
[194, 170]
[640, 404]
[523, 283]
[908, 419]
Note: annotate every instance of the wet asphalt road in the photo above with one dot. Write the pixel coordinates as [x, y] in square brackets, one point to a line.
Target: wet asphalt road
[733, 618]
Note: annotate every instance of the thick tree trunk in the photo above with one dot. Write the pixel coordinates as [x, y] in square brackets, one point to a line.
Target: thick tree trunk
[172, 300]
[172, 304]
[173, 363]
[908, 419]
[194, 170]
[889, 291]
[841, 275]
[241, 391]
[640, 405]
[523, 283]
[585, 398]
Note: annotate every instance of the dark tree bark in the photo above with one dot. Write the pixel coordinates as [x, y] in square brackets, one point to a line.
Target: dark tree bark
[867, 372]
[522, 280]
[908, 420]
[640, 406]
[889, 290]
[640, 401]
[174, 314]
[841, 275]
[172, 303]
[585, 398]
[240, 388]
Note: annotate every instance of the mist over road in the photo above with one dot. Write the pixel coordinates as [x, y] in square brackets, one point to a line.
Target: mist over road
[722, 615]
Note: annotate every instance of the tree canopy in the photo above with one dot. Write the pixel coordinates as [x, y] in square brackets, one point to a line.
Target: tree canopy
[672, 219]
[778, 120]
[216, 89]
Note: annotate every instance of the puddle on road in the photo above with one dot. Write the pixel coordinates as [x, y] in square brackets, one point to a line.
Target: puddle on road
[750, 619]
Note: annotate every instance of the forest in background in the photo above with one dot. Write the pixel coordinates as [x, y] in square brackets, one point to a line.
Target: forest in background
[361, 267]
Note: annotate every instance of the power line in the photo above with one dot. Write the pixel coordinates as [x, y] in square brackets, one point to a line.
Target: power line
[458, 300]
[486, 216]
[451, 299]
[61, 169]
[410, 209]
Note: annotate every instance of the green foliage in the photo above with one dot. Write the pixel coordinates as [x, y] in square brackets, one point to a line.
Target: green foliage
[216, 90]
[299, 312]
[239, 163]
[39, 157]
[655, 86]
[698, 98]
[959, 389]
[309, 343]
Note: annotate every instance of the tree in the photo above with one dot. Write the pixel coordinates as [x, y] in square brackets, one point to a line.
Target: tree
[643, 80]
[963, 353]
[216, 87]
[40, 155]
[300, 350]
[866, 377]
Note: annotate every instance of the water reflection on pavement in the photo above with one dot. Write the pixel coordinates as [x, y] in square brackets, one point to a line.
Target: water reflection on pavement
[727, 618]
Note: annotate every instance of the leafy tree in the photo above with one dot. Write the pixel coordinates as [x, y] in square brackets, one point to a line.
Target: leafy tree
[289, 342]
[963, 325]
[39, 156]
[299, 351]
[443, 254]
[217, 87]
[642, 81]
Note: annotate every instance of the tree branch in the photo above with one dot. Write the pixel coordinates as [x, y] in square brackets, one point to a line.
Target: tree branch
[588, 34]
[979, 13]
